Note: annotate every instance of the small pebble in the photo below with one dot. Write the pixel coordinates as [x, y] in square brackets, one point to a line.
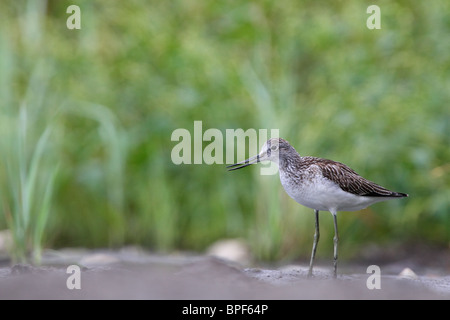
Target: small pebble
[408, 273]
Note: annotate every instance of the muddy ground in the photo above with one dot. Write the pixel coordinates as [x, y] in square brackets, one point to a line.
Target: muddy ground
[132, 273]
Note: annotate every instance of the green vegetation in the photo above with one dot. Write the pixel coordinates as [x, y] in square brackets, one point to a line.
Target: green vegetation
[86, 118]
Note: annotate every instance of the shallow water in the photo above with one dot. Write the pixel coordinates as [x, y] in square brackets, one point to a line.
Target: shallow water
[135, 274]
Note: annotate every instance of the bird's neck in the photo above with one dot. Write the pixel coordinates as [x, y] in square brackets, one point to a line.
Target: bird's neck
[289, 160]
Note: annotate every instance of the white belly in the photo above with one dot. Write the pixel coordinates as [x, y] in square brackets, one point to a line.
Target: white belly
[325, 195]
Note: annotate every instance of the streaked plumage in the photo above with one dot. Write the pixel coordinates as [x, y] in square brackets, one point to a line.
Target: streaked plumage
[320, 184]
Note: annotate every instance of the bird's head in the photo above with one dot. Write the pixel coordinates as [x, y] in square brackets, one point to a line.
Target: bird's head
[270, 151]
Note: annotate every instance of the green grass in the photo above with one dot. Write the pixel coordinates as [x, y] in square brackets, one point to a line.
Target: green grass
[101, 104]
[26, 191]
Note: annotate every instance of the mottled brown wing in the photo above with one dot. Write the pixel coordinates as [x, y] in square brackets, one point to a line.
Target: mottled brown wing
[349, 181]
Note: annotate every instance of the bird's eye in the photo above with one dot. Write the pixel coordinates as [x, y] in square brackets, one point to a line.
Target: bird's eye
[273, 148]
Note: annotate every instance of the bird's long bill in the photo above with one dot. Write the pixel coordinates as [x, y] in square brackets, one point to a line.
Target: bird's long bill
[244, 163]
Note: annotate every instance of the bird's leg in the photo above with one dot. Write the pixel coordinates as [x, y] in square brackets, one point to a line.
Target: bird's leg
[336, 241]
[316, 240]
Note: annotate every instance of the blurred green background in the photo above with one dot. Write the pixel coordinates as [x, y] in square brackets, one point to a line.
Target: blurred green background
[87, 115]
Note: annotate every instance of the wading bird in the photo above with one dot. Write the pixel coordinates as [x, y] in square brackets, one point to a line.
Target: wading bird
[320, 184]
